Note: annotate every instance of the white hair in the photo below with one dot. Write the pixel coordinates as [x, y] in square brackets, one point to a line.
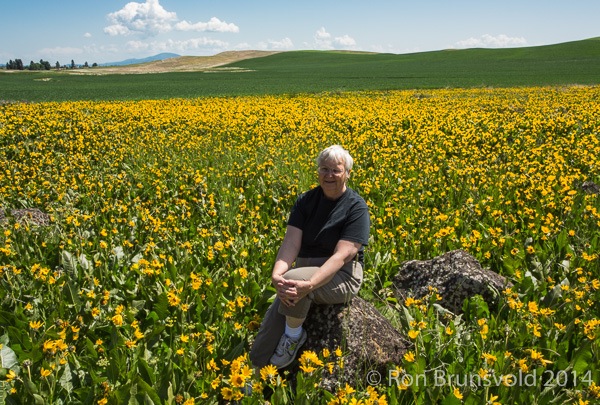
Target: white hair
[336, 154]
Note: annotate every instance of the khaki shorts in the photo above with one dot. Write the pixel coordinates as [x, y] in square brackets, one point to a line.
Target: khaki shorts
[339, 290]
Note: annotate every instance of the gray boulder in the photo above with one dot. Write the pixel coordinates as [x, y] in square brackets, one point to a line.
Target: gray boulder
[590, 187]
[369, 342]
[456, 275]
[27, 216]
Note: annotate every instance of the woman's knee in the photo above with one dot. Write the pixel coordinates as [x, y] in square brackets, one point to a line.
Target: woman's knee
[300, 273]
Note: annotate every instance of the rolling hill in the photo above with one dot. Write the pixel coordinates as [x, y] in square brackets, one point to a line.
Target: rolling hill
[292, 72]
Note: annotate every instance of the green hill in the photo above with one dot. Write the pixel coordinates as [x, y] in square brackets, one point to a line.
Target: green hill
[572, 63]
[563, 64]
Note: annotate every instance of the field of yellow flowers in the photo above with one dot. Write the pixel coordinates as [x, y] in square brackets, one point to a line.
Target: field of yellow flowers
[151, 278]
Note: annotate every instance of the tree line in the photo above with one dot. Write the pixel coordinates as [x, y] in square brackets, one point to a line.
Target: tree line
[18, 64]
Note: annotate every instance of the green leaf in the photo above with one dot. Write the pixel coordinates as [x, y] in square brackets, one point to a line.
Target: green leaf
[451, 400]
[146, 372]
[150, 393]
[84, 262]
[475, 308]
[70, 293]
[161, 307]
[69, 263]
[10, 318]
[582, 358]
[66, 379]
[8, 359]
[170, 395]
[554, 294]
[138, 304]
[30, 387]
[91, 350]
[19, 337]
[38, 399]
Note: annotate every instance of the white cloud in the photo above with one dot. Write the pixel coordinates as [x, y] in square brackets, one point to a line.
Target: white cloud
[345, 41]
[183, 46]
[324, 40]
[285, 43]
[490, 41]
[116, 29]
[150, 19]
[214, 25]
[87, 35]
[322, 34]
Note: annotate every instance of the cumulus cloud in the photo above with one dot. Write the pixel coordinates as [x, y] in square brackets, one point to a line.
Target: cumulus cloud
[148, 18]
[285, 43]
[322, 35]
[193, 44]
[151, 19]
[87, 35]
[490, 41]
[324, 40]
[345, 41]
[213, 25]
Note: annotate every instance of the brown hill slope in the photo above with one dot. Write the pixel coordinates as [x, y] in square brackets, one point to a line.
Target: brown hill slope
[179, 64]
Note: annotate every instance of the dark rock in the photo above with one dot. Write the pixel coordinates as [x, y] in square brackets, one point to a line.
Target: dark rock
[590, 187]
[33, 216]
[456, 275]
[367, 339]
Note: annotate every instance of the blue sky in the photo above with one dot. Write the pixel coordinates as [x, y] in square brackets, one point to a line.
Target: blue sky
[109, 30]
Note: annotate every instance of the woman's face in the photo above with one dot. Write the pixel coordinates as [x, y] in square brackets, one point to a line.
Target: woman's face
[332, 178]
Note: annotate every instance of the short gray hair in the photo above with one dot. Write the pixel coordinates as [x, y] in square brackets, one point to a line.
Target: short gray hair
[337, 154]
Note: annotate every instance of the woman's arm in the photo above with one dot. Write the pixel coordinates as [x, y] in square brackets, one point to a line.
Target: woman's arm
[344, 252]
[288, 251]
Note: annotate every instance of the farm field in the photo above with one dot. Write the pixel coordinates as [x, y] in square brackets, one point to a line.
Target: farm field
[148, 281]
[302, 72]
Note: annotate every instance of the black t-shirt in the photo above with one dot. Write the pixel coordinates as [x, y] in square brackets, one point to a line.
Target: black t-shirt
[325, 222]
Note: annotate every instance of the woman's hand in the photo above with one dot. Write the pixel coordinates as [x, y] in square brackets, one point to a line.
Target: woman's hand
[292, 291]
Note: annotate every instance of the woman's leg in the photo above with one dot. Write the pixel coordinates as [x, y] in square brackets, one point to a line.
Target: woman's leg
[267, 338]
[344, 285]
[340, 289]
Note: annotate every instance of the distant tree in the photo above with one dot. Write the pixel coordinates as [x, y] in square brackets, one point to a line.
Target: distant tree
[94, 65]
[57, 65]
[85, 65]
[17, 64]
[72, 64]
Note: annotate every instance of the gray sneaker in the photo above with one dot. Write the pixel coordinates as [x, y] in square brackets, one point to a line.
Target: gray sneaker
[286, 350]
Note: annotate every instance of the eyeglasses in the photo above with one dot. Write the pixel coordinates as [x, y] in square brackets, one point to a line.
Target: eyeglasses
[326, 170]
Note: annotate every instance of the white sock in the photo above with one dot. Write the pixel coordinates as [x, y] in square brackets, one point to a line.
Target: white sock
[293, 333]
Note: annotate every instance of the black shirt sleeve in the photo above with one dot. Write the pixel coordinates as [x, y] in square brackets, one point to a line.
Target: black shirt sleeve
[324, 222]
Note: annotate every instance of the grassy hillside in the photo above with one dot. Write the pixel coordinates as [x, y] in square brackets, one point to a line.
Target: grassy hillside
[318, 71]
[568, 63]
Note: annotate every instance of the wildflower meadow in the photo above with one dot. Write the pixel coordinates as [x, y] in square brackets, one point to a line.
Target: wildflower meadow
[150, 279]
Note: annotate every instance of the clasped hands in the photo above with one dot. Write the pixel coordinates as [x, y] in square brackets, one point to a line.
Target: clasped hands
[290, 292]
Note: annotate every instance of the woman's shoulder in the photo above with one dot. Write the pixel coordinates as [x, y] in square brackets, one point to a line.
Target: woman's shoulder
[312, 193]
[354, 197]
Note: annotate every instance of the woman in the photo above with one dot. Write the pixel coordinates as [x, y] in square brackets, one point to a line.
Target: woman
[320, 259]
